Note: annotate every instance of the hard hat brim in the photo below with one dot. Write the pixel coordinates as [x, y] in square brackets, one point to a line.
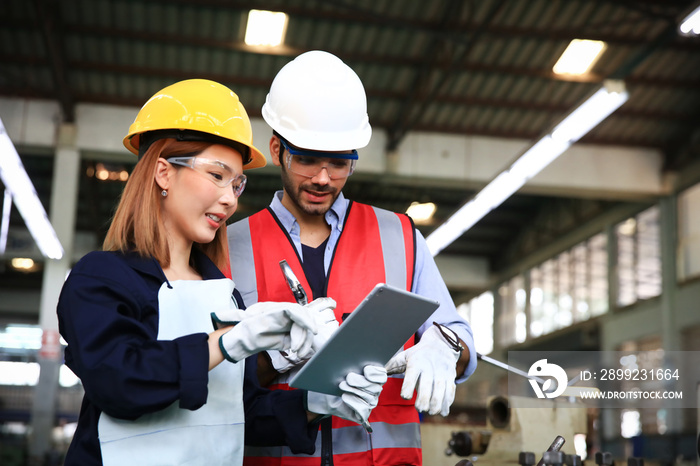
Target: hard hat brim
[253, 158]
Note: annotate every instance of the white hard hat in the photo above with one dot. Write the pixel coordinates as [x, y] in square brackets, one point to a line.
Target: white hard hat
[317, 102]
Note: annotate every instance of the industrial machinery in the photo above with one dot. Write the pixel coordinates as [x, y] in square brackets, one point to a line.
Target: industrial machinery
[522, 431]
[516, 425]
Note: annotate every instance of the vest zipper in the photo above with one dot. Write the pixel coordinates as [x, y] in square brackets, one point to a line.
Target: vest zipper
[327, 441]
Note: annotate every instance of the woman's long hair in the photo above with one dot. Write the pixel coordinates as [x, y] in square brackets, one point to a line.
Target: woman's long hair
[137, 224]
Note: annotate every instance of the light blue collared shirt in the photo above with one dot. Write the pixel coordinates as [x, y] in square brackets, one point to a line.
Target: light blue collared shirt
[427, 280]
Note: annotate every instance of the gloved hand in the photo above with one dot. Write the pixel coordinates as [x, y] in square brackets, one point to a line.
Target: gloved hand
[322, 310]
[432, 363]
[265, 326]
[360, 396]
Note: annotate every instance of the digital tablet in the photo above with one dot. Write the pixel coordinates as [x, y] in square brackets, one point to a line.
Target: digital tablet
[371, 334]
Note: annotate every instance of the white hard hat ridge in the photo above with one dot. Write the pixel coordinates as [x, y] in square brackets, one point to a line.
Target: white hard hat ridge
[317, 102]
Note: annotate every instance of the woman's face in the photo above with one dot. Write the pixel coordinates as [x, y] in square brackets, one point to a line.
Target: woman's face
[196, 207]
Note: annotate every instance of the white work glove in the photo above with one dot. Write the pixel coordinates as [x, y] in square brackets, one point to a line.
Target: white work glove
[326, 324]
[360, 396]
[432, 363]
[265, 326]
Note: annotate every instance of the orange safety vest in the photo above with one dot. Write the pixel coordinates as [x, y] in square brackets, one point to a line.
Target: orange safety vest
[375, 246]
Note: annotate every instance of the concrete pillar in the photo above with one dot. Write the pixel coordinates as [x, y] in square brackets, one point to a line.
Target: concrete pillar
[64, 198]
[497, 319]
[668, 223]
[391, 162]
[609, 419]
[527, 284]
[670, 335]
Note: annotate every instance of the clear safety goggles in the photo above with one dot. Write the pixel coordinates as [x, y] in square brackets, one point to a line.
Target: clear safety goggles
[217, 172]
[309, 163]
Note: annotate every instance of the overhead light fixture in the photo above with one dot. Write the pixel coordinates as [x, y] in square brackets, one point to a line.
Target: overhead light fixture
[103, 173]
[421, 213]
[691, 23]
[16, 180]
[573, 126]
[265, 28]
[22, 263]
[595, 109]
[579, 57]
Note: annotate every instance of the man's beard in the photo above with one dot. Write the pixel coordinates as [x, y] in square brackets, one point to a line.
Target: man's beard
[294, 194]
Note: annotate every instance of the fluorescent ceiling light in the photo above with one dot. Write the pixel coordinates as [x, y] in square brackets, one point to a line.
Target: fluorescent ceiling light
[579, 56]
[16, 180]
[265, 28]
[595, 109]
[691, 23]
[421, 213]
[5, 222]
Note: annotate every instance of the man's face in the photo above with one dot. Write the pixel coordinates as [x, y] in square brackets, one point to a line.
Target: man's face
[304, 195]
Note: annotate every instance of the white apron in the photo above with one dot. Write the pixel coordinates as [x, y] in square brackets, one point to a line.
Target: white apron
[211, 435]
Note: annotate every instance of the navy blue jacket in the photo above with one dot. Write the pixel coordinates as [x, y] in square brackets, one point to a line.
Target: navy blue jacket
[108, 314]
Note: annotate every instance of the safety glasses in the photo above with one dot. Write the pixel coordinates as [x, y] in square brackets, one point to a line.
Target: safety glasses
[310, 163]
[217, 172]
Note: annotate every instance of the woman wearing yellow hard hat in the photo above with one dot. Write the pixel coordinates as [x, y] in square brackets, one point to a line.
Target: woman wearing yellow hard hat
[151, 318]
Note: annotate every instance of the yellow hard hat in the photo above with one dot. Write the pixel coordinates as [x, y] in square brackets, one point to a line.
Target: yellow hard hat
[195, 110]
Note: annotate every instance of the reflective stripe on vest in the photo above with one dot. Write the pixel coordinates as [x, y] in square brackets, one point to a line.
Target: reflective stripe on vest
[375, 246]
[392, 241]
[344, 441]
[241, 261]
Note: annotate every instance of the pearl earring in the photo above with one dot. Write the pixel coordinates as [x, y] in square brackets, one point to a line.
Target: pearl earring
[164, 193]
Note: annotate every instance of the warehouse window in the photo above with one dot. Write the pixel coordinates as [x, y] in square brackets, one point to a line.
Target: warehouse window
[644, 354]
[570, 287]
[597, 266]
[542, 307]
[19, 345]
[479, 313]
[638, 257]
[27, 373]
[511, 320]
[630, 423]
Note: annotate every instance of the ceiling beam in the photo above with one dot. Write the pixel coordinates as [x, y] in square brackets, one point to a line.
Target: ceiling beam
[471, 101]
[684, 151]
[348, 13]
[409, 62]
[106, 99]
[50, 25]
[659, 82]
[665, 82]
[422, 81]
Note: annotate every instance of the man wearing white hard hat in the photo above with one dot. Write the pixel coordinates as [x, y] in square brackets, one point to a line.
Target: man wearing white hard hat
[317, 109]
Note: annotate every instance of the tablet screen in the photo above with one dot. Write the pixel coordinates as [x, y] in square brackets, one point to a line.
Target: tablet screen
[371, 334]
